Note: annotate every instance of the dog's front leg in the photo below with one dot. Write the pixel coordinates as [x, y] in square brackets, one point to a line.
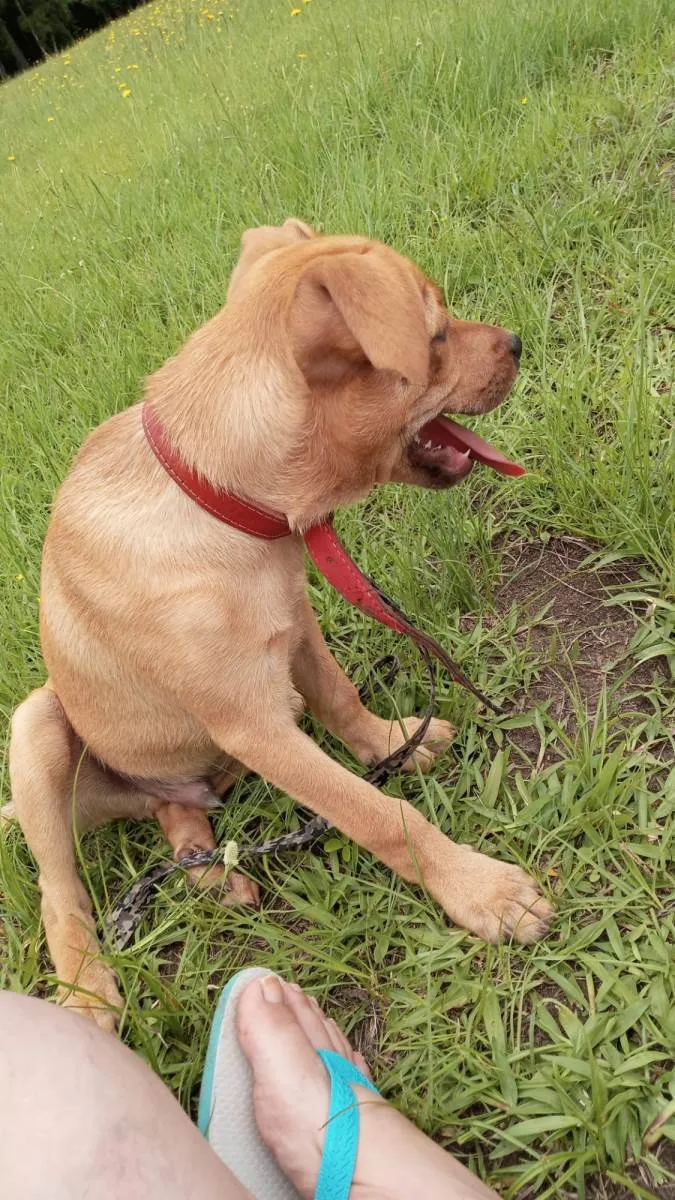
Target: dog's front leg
[334, 700]
[490, 898]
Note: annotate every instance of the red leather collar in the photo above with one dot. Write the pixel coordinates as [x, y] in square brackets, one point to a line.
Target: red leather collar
[322, 542]
[241, 514]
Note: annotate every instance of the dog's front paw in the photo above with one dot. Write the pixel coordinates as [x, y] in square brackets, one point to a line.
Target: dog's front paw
[496, 900]
[384, 737]
[437, 738]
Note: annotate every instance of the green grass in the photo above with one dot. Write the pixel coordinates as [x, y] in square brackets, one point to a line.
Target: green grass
[522, 154]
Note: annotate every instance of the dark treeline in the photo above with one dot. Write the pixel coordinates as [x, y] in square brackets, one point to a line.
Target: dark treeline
[31, 29]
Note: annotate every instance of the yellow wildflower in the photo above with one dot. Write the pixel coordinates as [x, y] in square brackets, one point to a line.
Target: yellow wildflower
[302, 56]
[126, 92]
[295, 12]
[19, 578]
[50, 120]
[524, 100]
[11, 158]
[132, 67]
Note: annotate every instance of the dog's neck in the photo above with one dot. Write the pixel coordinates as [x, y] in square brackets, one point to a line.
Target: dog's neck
[227, 414]
[232, 413]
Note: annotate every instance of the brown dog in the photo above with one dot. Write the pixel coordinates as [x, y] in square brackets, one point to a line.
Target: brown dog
[181, 651]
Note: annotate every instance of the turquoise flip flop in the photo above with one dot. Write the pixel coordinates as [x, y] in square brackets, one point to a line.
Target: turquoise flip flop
[227, 1119]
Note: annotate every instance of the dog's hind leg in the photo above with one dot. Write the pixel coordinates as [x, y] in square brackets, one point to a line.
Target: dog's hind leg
[44, 756]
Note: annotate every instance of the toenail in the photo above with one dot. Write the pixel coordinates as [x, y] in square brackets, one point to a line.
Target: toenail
[272, 990]
[295, 987]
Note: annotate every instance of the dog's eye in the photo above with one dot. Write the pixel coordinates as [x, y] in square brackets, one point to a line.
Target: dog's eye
[441, 336]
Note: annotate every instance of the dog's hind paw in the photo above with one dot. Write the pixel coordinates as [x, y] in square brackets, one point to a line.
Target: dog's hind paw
[234, 890]
[94, 995]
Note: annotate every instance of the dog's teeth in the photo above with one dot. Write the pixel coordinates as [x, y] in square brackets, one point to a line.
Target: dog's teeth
[428, 445]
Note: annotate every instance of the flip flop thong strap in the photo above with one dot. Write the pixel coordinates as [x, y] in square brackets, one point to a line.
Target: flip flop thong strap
[341, 1142]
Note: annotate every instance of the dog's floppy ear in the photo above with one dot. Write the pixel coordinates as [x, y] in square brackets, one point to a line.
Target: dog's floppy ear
[376, 296]
[264, 238]
[300, 230]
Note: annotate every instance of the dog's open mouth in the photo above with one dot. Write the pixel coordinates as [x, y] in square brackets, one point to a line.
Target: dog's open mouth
[449, 450]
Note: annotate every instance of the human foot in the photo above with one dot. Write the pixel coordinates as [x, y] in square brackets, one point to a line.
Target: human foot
[280, 1030]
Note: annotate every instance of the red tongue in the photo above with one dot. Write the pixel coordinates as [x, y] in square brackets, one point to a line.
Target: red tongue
[444, 432]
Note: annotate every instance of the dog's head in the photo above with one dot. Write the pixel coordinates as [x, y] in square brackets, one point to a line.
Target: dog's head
[375, 355]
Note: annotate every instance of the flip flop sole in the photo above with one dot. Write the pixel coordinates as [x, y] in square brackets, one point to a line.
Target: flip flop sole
[226, 1115]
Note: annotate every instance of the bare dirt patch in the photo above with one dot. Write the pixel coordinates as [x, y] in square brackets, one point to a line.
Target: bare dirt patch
[579, 644]
[607, 1190]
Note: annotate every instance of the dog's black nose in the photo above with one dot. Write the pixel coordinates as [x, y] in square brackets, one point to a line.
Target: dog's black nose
[516, 346]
